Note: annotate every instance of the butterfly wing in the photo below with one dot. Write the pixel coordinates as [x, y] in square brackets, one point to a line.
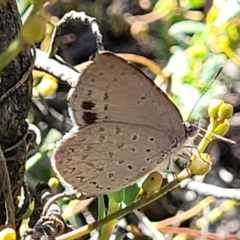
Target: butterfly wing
[105, 157]
[112, 90]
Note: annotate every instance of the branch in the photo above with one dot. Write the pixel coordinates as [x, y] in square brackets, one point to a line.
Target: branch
[7, 192]
[56, 68]
[211, 190]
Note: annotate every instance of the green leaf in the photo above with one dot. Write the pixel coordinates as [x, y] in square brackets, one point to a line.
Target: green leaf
[23, 5]
[131, 193]
[101, 211]
[117, 196]
[121, 237]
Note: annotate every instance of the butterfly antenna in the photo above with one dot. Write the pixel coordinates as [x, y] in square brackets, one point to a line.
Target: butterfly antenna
[206, 89]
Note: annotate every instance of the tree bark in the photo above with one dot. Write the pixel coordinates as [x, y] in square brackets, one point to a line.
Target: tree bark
[14, 109]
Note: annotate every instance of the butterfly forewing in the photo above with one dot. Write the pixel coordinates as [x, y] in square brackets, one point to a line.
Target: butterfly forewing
[111, 90]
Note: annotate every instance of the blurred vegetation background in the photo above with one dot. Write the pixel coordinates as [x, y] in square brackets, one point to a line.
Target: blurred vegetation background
[188, 40]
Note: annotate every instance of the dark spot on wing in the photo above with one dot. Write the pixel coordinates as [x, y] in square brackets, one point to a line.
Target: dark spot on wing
[99, 169]
[101, 138]
[84, 157]
[120, 145]
[93, 182]
[90, 164]
[72, 169]
[89, 117]
[110, 175]
[130, 167]
[105, 107]
[101, 129]
[105, 96]
[87, 105]
[118, 130]
[134, 137]
[81, 178]
[88, 148]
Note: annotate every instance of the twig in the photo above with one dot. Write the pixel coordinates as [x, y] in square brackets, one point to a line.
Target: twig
[75, 16]
[51, 223]
[7, 191]
[211, 190]
[198, 234]
[55, 68]
[185, 215]
[54, 198]
[150, 229]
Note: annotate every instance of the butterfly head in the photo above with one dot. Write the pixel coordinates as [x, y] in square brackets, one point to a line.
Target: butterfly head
[191, 129]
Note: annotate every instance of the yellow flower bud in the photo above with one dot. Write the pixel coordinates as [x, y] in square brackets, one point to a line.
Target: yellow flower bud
[201, 164]
[152, 183]
[47, 86]
[53, 182]
[225, 111]
[214, 107]
[8, 234]
[222, 128]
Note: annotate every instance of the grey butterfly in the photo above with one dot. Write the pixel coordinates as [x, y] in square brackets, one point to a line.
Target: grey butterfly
[127, 128]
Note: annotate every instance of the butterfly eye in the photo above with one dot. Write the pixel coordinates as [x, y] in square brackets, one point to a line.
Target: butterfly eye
[192, 129]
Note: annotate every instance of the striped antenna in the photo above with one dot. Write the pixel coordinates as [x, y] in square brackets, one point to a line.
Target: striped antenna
[206, 89]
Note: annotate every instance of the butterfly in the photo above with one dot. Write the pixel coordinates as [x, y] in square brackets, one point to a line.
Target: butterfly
[126, 128]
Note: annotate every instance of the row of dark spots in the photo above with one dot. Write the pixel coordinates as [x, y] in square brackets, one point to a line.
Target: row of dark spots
[114, 78]
[135, 137]
[88, 105]
[98, 187]
[142, 98]
[91, 117]
[88, 117]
